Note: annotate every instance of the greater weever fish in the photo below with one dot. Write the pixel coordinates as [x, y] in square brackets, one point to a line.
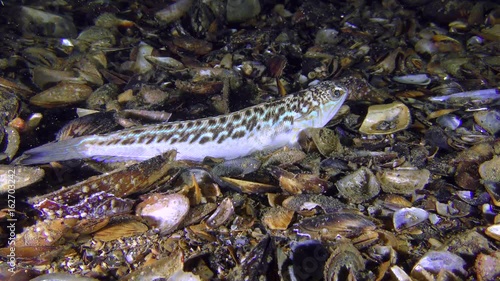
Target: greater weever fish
[265, 126]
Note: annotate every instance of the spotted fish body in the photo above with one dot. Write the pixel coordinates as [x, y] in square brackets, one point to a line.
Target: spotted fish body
[266, 126]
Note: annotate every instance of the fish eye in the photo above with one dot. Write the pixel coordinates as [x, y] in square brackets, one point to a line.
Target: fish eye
[336, 93]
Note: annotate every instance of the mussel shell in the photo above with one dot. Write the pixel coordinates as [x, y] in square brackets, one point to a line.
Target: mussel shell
[386, 119]
[344, 257]
[489, 120]
[490, 170]
[358, 186]
[277, 218]
[43, 23]
[246, 186]
[403, 181]
[222, 214]
[449, 121]
[63, 94]
[120, 230]
[324, 140]
[15, 177]
[477, 97]
[493, 188]
[236, 167]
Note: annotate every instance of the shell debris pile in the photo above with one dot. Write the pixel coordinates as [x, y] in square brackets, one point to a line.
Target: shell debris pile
[402, 184]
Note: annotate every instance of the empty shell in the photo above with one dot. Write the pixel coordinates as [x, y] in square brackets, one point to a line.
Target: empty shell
[386, 119]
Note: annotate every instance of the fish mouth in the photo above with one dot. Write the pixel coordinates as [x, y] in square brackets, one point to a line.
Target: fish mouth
[326, 115]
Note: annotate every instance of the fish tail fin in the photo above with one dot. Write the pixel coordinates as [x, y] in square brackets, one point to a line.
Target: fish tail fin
[56, 151]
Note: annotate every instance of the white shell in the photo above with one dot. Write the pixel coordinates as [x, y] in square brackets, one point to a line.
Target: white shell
[408, 217]
[165, 211]
[413, 79]
[399, 274]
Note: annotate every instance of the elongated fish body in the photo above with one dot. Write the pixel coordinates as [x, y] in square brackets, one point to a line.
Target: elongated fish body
[266, 126]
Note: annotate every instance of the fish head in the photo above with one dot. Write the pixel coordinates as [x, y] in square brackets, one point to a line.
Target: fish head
[324, 101]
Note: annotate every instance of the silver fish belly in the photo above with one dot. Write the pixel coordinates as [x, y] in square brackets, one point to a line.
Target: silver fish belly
[265, 126]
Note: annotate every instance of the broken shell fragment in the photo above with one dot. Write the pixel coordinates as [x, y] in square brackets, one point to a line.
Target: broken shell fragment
[436, 263]
[199, 88]
[403, 181]
[489, 120]
[493, 188]
[43, 23]
[467, 175]
[454, 208]
[299, 183]
[308, 202]
[382, 253]
[168, 267]
[413, 79]
[42, 239]
[325, 141]
[303, 183]
[248, 187]
[13, 142]
[493, 231]
[165, 62]
[449, 121]
[487, 266]
[399, 274]
[477, 153]
[141, 64]
[358, 186]
[164, 211]
[192, 44]
[222, 214]
[344, 258]
[197, 213]
[331, 226]
[62, 277]
[15, 177]
[255, 265]
[386, 119]
[277, 218]
[236, 167]
[408, 217]
[467, 244]
[121, 230]
[289, 156]
[490, 170]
